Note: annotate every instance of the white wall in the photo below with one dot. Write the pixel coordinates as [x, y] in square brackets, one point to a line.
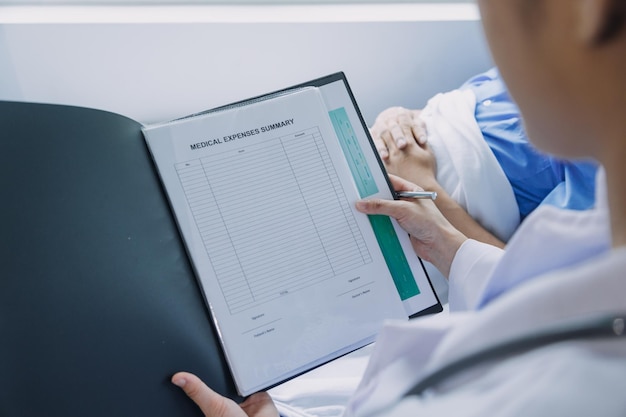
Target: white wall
[152, 71]
[155, 69]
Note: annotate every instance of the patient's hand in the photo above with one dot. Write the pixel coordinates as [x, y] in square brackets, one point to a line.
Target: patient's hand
[414, 160]
[400, 138]
[402, 125]
[214, 405]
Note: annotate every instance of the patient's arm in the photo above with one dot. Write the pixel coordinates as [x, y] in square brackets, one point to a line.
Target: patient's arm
[396, 133]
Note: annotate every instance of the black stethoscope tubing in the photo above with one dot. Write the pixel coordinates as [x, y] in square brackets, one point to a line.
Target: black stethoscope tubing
[607, 326]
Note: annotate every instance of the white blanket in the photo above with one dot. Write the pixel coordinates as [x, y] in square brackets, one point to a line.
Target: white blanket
[466, 167]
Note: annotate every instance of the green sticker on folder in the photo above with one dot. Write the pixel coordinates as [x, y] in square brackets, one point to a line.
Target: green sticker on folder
[382, 226]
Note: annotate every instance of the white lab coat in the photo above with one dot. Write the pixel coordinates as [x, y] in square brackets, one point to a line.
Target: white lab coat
[549, 239]
[563, 268]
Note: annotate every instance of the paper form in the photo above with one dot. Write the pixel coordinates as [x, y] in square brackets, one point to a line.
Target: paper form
[265, 232]
[264, 197]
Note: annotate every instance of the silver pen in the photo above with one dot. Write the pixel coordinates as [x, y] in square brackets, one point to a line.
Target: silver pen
[418, 194]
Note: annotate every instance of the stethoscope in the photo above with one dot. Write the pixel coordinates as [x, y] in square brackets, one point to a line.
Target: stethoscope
[603, 327]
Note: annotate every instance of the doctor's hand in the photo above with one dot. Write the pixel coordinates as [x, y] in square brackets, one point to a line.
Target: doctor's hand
[433, 237]
[214, 405]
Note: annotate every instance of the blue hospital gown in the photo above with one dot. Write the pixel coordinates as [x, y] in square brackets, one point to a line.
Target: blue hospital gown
[536, 178]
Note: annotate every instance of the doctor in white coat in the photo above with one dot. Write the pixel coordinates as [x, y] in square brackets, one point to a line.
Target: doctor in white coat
[553, 342]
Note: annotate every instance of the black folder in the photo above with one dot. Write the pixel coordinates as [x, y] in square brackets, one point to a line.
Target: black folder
[99, 302]
[99, 305]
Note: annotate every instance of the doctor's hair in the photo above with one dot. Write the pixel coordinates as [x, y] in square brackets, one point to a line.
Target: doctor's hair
[615, 22]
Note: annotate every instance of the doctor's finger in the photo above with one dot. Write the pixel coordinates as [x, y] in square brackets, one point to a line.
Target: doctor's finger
[392, 208]
[400, 184]
[210, 403]
[260, 405]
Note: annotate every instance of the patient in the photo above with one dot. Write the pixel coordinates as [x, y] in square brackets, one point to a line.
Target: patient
[562, 268]
[469, 145]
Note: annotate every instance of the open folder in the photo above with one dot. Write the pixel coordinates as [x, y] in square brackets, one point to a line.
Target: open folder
[225, 243]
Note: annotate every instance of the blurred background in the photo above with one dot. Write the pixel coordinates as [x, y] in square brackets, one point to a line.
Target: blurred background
[157, 60]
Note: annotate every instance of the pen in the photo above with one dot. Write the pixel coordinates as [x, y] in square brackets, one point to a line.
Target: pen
[418, 194]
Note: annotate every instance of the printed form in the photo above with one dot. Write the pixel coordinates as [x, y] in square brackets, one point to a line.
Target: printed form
[264, 196]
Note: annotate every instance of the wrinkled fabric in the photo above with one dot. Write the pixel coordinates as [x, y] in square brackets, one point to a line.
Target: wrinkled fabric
[536, 178]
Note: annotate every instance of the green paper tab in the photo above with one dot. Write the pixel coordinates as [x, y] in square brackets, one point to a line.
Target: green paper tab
[353, 153]
[394, 256]
[382, 226]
